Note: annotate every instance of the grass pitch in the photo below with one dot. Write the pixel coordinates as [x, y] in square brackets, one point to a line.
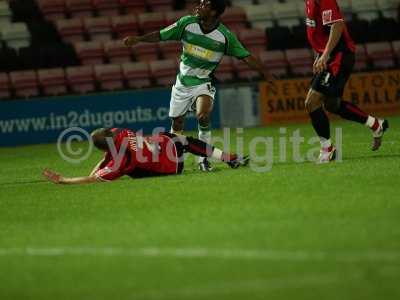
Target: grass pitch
[300, 231]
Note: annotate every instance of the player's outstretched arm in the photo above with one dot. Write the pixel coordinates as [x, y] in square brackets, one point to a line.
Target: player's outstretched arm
[58, 179]
[152, 37]
[257, 65]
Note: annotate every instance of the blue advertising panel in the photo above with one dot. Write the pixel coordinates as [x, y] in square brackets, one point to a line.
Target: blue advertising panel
[42, 120]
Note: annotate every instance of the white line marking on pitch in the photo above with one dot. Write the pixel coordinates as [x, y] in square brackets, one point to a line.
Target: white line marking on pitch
[244, 254]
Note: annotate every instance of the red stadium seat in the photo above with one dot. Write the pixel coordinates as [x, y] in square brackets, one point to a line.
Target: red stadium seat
[70, 30]
[225, 71]
[52, 81]
[145, 52]
[396, 50]
[4, 86]
[275, 62]
[81, 79]
[109, 77]
[300, 61]
[244, 71]
[164, 71]
[117, 52]
[160, 5]
[25, 83]
[125, 25]
[137, 74]
[149, 22]
[381, 54]
[80, 8]
[173, 16]
[361, 58]
[52, 9]
[133, 6]
[235, 18]
[90, 53]
[99, 29]
[254, 40]
[107, 7]
[170, 50]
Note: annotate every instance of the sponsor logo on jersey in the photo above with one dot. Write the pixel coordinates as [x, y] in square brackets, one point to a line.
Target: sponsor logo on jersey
[327, 16]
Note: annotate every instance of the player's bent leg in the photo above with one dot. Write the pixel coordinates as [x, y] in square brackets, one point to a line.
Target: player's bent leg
[204, 106]
[352, 112]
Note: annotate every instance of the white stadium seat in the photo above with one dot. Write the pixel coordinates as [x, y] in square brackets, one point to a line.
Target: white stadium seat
[16, 35]
[365, 9]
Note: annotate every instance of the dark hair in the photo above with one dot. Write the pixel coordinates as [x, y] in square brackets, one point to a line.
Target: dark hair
[219, 6]
[99, 138]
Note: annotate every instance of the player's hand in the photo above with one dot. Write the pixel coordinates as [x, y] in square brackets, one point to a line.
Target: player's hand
[131, 41]
[321, 64]
[52, 176]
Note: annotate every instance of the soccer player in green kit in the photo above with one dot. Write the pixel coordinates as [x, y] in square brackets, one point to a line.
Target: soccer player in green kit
[205, 41]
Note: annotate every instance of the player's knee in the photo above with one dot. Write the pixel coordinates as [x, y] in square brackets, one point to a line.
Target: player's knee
[313, 102]
[177, 124]
[203, 117]
[332, 105]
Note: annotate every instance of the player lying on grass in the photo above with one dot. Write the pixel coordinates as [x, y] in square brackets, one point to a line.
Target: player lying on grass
[205, 41]
[127, 153]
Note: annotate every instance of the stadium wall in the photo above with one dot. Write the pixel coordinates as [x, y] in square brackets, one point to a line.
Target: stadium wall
[43, 120]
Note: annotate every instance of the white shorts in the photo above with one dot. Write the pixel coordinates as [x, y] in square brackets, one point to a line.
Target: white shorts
[183, 98]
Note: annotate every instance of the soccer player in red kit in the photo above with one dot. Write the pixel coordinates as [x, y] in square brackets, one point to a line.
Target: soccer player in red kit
[128, 153]
[328, 35]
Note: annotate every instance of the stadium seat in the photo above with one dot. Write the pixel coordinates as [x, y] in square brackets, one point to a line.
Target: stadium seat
[123, 26]
[365, 9]
[275, 62]
[145, 52]
[361, 63]
[170, 50]
[117, 52]
[90, 53]
[137, 75]
[109, 77]
[381, 55]
[388, 8]
[5, 13]
[160, 5]
[81, 79]
[98, 29]
[70, 30]
[279, 38]
[382, 30]
[286, 14]
[396, 51]
[225, 71]
[243, 70]
[25, 83]
[133, 6]
[300, 61]
[52, 9]
[254, 40]
[173, 16]
[5, 87]
[164, 71]
[235, 18]
[260, 16]
[52, 81]
[107, 7]
[16, 35]
[80, 8]
[150, 22]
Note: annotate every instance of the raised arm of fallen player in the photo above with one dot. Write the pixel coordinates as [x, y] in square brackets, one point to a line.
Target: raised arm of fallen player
[336, 31]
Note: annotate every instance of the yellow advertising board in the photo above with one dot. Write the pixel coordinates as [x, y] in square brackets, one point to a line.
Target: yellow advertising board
[374, 92]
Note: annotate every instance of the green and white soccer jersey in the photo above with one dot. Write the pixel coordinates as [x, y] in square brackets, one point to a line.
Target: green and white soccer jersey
[202, 53]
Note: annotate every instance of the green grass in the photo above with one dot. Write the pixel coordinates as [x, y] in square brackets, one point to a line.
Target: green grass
[300, 231]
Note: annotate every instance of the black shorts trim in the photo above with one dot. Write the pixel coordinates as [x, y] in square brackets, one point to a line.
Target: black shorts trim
[332, 81]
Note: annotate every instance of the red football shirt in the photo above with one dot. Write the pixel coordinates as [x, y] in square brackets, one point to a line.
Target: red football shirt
[320, 15]
[136, 154]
